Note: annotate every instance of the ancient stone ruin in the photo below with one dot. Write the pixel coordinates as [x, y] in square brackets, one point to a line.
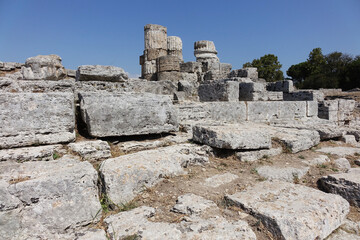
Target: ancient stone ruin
[191, 150]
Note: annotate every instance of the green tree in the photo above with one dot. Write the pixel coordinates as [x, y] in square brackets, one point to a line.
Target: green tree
[268, 67]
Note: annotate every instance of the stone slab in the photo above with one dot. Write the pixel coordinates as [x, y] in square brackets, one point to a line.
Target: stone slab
[292, 211]
[91, 150]
[191, 204]
[220, 179]
[287, 174]
[126, 176]
[250, 156]
[245, 136]
[36, 118]
[56, 196]
[41, 153]
[137, 222]
[340, 151]
[127, 114]
[346, 185]
[219, 91]
[100, 73]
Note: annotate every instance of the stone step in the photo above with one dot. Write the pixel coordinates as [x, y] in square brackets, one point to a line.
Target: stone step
[292, 211]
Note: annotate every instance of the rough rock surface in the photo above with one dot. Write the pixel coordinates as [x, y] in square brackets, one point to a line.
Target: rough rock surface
[127, 114]
[100, 73]
[36, 118]
[137, 223]
[220, 179]
[343, 235]
[250, 156]
[321, 159]
[41, 153]
[292, 211]
[340, 151]
[342, 163]
[288, 174]
[91, 150]
[191, 204]
[45, 198]
[126, 176]
[43, 67]
[232, 136]
[346, 185]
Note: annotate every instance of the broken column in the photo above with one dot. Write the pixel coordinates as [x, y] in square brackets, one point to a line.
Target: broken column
[155, 47]
[205, 52]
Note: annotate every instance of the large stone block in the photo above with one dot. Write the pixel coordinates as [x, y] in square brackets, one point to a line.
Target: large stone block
[276, 110]
[126, 176]
[244, 73]
[219, 91]
[191, 67]
[47, 198]
[292, 211]
[346, 185]
[281, 86]
[304, 95]
[36, 118]
[245, 136]
[127, 114]
[100, 73]
[43, 67]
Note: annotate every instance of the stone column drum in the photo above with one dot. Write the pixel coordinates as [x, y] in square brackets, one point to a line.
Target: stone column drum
[174, 47]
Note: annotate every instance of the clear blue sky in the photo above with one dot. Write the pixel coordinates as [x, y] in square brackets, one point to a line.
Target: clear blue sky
[111, 32]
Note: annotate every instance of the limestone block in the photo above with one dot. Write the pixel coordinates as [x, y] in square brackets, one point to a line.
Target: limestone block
[287, 174]
[340, 151]
[321, 159]
[343, 235]
[41, 153]
[312, 108]
[191, 204]
[126, 176]
[100, 73]
[280, 86]
[346, 185]
[36, 86]
[192, 77]
[127, 114]
[350, 139]
[91, 150]
[137, 222]
[49, 193]
[9, 66]
[246, 136]
[191, 67]
[244, 73]
[342, 163]
[292, 211]
[219, 91]
[36, 118]
[292, 109]
[304, 95]
[263, 111]
[155, 36]
[168, 63]
[189, 88]
[43, 67]
[250, 156]
[262, 96]
[71, 73]
[220, 179]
